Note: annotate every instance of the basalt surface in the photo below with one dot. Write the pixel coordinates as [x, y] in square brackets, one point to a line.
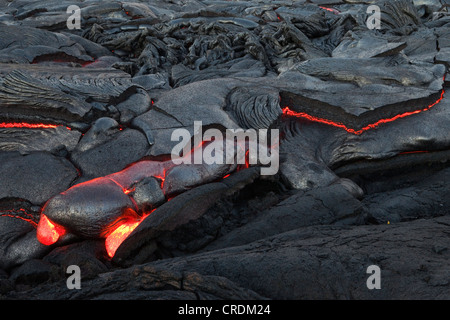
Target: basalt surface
[87, 118]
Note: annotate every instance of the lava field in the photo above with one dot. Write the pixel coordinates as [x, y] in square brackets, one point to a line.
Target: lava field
[116, 159]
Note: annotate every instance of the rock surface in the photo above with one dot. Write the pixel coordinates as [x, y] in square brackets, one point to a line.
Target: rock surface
[87, 118]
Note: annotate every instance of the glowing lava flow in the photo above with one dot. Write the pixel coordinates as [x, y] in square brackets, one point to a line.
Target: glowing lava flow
[115, 238]
[287, 111]
[28, 125]
[48, 232]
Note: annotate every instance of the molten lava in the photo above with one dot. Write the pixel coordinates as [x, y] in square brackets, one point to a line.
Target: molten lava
[28, 125]
[48, 232]
[288, 112]
[330, 9]
[115, 238]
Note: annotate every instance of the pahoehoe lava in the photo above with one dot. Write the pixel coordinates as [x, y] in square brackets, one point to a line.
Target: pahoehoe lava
[88, 115]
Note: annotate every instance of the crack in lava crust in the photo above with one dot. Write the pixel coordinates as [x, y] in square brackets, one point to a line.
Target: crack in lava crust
[288, 112]
[27, 125]
[24, 216]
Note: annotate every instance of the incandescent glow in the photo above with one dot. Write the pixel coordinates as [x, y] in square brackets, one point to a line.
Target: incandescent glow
[13, 214]
[115, 238]
[162, 178]
[288, 112]
[330, 9]
[414, 152]
[27, 125]
[49, 232]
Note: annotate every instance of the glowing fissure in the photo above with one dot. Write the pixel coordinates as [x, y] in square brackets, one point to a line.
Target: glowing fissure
[68, 59]
[162, 178]
[414, 152]
[330, 9]
[13, 214]
[124, 190]
[29, 125]
[288, 112]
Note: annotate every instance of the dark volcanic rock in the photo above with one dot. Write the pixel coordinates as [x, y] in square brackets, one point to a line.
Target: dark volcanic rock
[366, 95]
[147, 194]
[32, 272]
[35, 177]
[400, 16]
[178, 213]
[88, 255]
[207, 96]
[243, 67]
[119, 149]
[87, 131]
[388, 148]
[25, 140]
[22, 97]
[150, 283]
[321, 206]
[330, 262]
[35, 44]
[425, 199]
[168, 217]
[255, 108]
[18, 242]
[85, 209]
[318, 262]
[366, 45]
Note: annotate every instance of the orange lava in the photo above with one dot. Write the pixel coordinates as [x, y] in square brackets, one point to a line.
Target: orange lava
[115, 238]
[27, 125]
[48, 232]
